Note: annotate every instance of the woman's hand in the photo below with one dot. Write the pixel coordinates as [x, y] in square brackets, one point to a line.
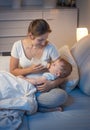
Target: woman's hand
[46, 86]
[37, 68]
[16, 70]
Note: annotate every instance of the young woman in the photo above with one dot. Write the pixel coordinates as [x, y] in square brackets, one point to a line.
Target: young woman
[36, 46]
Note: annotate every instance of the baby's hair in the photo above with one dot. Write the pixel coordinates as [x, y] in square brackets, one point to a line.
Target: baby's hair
[38, 27]
[66, 68]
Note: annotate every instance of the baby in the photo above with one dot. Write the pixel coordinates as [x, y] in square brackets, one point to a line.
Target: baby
[57, 69]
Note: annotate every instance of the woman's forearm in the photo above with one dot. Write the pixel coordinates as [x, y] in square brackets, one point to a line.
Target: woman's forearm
[29, 70]
[48, 85]
[21, 71]
[57, 82]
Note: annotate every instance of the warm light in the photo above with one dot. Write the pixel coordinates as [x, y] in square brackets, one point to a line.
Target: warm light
[81, 32]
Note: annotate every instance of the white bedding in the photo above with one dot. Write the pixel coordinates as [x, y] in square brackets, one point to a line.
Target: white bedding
[16, 93]
[17, 97]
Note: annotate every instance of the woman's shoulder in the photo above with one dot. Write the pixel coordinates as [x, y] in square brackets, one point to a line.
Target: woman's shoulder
[51, 46]
[18, 43]
[17, 47]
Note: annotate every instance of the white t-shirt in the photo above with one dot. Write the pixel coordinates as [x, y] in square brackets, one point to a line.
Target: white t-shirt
[50, 53]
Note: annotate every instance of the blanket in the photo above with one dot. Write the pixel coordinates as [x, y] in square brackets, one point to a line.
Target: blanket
[10, 119]
[16, 96]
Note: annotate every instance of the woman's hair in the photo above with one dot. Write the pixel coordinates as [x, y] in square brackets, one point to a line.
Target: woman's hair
[66, 68]
[38, 27]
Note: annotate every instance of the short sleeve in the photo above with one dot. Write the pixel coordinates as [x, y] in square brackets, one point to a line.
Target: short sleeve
[54, 52]
[15, 49]
[50, 53]
[49, 76]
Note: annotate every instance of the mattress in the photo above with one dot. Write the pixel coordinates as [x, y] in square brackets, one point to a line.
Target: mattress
[76, 115]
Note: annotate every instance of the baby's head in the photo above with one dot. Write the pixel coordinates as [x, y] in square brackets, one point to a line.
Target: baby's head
[65, 69]
[61, 68]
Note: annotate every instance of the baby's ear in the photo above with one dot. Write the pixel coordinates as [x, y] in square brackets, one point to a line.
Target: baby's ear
[58, 74]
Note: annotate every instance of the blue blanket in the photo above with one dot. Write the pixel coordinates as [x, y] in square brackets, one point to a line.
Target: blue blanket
[11, 119]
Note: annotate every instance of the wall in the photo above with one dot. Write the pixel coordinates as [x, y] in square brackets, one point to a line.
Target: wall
[84, 16]
[24, 2]
[83, 5]
[5, 2]
[14, 24]
[32, 2]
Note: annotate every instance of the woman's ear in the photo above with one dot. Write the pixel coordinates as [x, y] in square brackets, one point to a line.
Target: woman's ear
[31, 36]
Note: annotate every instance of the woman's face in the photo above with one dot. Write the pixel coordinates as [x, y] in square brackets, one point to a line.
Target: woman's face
[40, 40]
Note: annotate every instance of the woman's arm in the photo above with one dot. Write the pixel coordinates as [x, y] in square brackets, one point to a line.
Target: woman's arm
[34, 81]
[16, 70]
[48, 85]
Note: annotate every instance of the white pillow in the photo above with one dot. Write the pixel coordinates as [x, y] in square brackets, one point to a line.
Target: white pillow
[81, 52]
[4, 63]
[73, 78]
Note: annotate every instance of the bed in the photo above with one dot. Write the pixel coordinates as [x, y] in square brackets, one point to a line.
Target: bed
[76, 114]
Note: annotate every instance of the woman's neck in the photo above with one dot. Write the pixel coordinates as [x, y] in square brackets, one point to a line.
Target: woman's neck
[29, 43]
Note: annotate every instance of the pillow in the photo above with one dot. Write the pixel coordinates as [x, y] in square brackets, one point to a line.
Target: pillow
[72, 80]
[4, 63]
[81, 53]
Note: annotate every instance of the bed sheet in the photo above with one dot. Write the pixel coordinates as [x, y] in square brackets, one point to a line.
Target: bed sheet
[76, 115]
[24, 125]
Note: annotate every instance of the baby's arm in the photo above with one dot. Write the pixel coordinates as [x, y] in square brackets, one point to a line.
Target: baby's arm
[34, 81]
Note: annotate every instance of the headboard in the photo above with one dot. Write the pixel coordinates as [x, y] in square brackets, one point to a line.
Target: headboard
[5, 53]
[4, 63]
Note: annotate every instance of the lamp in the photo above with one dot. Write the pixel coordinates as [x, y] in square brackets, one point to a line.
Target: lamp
[81, 32]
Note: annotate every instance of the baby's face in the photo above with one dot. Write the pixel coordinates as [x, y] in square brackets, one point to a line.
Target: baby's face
[56, 67]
